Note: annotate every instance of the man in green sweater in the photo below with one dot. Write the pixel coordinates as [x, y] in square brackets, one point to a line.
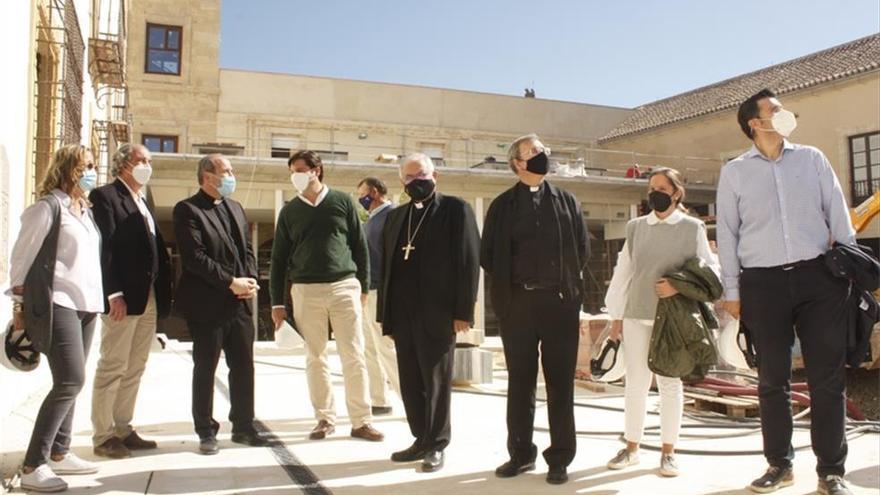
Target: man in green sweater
[320, 247]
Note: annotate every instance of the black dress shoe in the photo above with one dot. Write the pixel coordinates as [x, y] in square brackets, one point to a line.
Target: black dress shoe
[514, 467]
[557, 475]
[412, 453]
[774, 479]
[433, 461]
[208, 445]
[251, 438]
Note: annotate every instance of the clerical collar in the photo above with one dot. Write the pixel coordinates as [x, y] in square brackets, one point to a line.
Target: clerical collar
[211, 198]
[421, 204]
[532, 189]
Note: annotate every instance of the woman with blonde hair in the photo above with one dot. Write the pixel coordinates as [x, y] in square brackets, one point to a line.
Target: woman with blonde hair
[58, 254]
[656, 244]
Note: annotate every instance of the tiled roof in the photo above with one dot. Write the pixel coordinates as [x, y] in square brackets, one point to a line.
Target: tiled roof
[846, 60]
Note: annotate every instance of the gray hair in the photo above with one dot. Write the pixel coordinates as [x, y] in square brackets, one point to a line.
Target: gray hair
[120, 158]
[421, 158]
[206, 164]
[513, 150]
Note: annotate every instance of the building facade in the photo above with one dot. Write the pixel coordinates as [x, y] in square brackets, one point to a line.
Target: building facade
[834, 92]
[63, 83]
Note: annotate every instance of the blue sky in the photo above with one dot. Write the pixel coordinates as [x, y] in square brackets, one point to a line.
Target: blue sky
[620, 53]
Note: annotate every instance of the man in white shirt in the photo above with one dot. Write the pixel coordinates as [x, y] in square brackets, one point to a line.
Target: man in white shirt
[137, 288]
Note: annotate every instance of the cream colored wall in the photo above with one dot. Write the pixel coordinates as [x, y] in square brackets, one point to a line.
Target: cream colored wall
[828, 116]
[184, 105]
[285, 95]
[325, 114]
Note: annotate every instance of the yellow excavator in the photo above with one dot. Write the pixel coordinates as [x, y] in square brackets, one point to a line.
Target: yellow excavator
[861, 215]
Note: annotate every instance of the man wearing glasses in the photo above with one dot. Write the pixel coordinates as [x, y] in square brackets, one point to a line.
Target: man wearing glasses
[534, 249]
[427, 293]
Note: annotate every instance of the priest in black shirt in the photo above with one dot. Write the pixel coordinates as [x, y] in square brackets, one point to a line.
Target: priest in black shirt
[428, 290]
[533, 250]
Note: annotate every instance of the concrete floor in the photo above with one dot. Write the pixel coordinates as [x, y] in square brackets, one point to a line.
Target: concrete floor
[342, 465]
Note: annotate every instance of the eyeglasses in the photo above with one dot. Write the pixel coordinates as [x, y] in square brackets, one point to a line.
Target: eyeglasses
[536, 150]
[421, 175]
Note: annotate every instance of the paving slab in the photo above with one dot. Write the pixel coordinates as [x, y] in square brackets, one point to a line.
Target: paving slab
[344, 465]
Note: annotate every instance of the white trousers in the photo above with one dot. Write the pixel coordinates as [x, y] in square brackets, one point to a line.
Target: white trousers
[636, 342]
[381, 357]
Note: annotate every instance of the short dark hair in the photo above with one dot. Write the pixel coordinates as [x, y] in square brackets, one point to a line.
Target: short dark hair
[749, 110]
[375, 183]
[311, 158]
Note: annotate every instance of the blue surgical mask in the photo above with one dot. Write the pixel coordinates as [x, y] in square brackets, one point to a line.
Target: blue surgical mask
[227, 186]
[89, 180]
[366, 202]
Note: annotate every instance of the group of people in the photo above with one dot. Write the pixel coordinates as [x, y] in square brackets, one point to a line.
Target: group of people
[395, 291]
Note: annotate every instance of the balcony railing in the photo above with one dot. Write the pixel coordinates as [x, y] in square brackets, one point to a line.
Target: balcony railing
[107, 46]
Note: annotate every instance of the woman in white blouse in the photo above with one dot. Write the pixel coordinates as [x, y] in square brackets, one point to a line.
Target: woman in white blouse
[656, 244]
[77, 296]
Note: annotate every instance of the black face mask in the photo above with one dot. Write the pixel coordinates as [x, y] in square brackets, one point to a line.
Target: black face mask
[538, 164]
[420, 189]
[659, 201]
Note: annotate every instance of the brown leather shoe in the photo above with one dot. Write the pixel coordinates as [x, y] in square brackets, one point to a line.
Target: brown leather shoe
[367, 432]
[112, 448]
[134, 442]
[321, 431]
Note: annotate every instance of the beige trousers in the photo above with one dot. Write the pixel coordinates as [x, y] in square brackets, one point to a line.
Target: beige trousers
[125, 347]
[381, 358]
[339, 304]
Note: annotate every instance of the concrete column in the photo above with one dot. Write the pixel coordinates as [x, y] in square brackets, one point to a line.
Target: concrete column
[279, 203]
[480, 312]
[256, 305]
[633, 211]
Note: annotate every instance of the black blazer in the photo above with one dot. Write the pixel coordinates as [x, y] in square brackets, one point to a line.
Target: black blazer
[209, 259]
[450, 279]
[496, 251]
[131, 257]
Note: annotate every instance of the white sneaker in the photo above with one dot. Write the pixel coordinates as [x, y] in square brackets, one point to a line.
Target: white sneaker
[42, 480]
[668, 466]
[623, 459]
[71, 464]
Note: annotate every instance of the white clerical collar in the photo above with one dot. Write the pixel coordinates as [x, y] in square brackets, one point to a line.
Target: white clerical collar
[672, 219]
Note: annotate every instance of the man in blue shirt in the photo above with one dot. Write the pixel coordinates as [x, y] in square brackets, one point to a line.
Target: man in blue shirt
[780, 207]
[378, 349]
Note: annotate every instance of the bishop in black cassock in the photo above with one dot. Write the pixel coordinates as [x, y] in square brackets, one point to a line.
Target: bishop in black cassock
[429, 287]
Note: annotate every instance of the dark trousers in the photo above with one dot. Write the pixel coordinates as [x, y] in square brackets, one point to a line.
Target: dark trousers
[235, 337]
[539, 319]
[71, 338]
[425, 369]
[809, 300]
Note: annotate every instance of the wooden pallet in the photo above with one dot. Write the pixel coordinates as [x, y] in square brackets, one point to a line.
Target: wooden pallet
[736, 407]
[733, 406]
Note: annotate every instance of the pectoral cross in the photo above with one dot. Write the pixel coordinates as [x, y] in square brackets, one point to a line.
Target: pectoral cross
[406, 249]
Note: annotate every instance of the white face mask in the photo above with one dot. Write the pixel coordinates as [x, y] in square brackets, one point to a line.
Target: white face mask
[141, 173]
[783, 122]
[301, 180]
